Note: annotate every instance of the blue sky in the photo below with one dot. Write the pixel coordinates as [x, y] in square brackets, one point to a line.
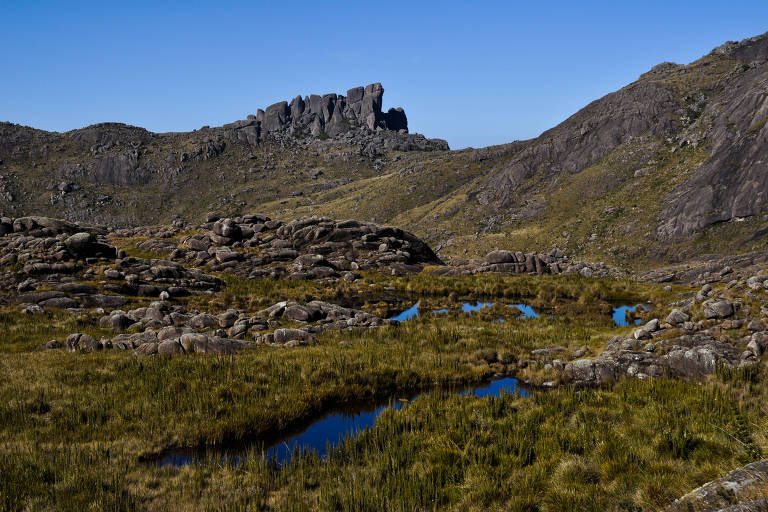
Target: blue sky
[474, 73]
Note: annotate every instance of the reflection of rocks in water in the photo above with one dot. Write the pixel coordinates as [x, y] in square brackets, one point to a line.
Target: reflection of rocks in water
[623, 315]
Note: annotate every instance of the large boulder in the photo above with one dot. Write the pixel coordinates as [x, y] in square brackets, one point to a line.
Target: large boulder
[171, 332]
[757, 282]
[40, 225]
[738, 491]
[104, 301]
[275, 117]
[500, 257]
[717, 308]
[85, 245]
[395, 119]
[301, 313]
[170, 347]
[286, 335]
[645, 331]
[80, 341]
[195, 342]
[203, 321]
[297, 108]
[370, 110]
[117, 321]
[354, 102]
[677, 317]
[79, 242]
[59, 302]
[147, 349]
[684, 356]
[227, 228]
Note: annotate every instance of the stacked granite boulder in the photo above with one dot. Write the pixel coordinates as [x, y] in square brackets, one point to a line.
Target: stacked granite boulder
[356, 115]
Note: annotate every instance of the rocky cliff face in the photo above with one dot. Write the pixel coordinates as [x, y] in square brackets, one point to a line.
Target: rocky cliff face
[733, 182]
[727, 116]
[586, 137]
[677, 159]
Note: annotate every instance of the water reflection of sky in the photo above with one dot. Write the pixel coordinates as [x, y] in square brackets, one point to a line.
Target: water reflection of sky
[333, 428]
[620, 315]
[467, 307]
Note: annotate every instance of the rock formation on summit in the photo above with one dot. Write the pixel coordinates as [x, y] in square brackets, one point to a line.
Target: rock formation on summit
[119, 175]
[329, 114]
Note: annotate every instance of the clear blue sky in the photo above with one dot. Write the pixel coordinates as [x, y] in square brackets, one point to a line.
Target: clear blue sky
[475, 73]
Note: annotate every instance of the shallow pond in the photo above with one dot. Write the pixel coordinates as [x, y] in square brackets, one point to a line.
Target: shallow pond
[620, 315]
[467, 307]
[327, 431]
[411, 312]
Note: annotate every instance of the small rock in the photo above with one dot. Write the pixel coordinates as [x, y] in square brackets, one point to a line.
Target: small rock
[170, 347]
[756, 282]
[113, 274]
[677, 317]
[32, 309]
[580, 352]
[755, 348]
[645, 331]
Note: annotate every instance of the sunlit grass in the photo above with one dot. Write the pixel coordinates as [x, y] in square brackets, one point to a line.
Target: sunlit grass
[74, 426]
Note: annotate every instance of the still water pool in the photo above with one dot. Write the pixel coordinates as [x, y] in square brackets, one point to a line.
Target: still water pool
[327, 431]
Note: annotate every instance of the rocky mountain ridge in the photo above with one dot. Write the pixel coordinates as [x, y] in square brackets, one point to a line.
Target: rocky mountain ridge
[660, 163]
[663, 170]
[351, 117]
[666, 168]
[115, 174]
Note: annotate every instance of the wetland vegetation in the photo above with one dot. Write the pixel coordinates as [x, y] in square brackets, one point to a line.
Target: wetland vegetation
[77, 430]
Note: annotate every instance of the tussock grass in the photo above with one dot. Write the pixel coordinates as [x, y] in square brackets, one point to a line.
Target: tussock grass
[545, 288]
[20, 332]
[75, 427]
[634, 446]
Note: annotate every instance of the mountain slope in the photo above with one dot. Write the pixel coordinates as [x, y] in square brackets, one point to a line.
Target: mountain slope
[122, 175]
[668, 167]
[671, 165]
